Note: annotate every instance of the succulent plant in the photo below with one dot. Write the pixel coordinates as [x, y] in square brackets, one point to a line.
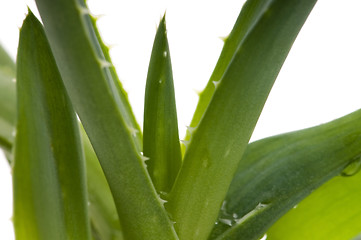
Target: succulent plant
[83, 168]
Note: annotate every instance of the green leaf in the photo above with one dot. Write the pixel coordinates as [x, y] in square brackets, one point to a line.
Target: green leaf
[251, 12]
[102, 211]
[332, 212]
[50, 199]
[126, 109]
[161, 138]
[7, 103]
[276, 173]
[91, 88]
[218, 143]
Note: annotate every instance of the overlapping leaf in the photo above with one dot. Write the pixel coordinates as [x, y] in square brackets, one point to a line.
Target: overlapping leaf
[102, 213]
[251, 12]
[331, 212]
[50, 200]
[219, 141]
[276, 173]
[102, 111]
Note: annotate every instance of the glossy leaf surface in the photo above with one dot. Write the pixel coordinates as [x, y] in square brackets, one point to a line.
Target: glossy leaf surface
[102, 211]
[161, 138]
[276, 173]
[331, 212]
[218, 143]
[101, 110]
[50, 200]
[251, 12]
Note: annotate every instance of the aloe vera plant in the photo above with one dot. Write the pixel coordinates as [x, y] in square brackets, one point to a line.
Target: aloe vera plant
[84, 169]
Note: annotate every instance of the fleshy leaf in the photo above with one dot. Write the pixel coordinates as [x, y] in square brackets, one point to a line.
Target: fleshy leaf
[126, 108]
[96, 99]
[102, 211]
[331, 212]
[278, 172]
[161, 138]
[50, 200]
[251, 12]
[218, 143]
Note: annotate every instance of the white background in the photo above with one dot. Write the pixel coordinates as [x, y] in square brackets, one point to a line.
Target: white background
[320, 80]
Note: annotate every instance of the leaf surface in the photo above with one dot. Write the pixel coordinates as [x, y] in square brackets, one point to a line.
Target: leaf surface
[251, 12]
[50, 200]
[331, 212]
[102, 211]
[218, 143]
[96, 98]
[125, 108]
[161, 138]
[276, 173]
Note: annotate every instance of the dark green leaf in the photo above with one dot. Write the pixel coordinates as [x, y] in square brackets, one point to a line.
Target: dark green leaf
[251, 12]
[96, 99]
[276, 173]
[49, 178]
[102, 211]
[161, 139]
[126, 109]
[218, 143]
[332, 212]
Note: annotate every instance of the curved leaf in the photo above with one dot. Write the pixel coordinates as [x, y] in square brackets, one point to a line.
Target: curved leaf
[331, 212]
[102, 211]
[251, 12]
[50, 199]
[126, 108]
[161, 139]
[95, 96]
[220, 140]
[276, 173]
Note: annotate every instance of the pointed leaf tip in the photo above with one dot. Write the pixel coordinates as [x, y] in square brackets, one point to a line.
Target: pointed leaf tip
[49, 197]
[161, 139]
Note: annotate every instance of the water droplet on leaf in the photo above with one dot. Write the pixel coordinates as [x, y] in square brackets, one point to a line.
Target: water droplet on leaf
[352, 168]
